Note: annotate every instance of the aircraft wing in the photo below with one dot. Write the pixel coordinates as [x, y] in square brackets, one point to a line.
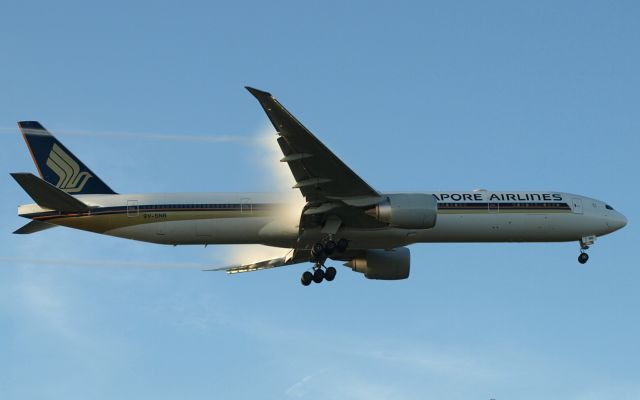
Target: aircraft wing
[293, 257]
[318, 173]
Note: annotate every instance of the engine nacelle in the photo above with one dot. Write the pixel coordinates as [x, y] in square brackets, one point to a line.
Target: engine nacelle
[383, 264]
[407, 210]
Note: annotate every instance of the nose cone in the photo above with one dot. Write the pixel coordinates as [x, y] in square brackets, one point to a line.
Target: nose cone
[617, 221]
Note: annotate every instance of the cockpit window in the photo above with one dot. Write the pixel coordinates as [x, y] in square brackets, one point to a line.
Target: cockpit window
[608, 207]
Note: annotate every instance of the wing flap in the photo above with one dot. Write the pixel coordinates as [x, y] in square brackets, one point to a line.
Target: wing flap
[295, 256]
[257, 266]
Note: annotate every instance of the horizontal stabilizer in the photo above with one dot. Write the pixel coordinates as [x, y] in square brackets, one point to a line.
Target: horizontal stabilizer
[33, 227]
[46, 195]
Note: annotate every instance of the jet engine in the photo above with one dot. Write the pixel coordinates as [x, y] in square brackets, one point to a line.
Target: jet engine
[407, 210]
[383, 264]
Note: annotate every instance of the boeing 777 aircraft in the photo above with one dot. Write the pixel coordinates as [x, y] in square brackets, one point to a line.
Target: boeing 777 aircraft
[344, 219]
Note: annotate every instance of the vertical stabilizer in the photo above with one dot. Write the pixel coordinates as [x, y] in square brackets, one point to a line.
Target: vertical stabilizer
[57, 165]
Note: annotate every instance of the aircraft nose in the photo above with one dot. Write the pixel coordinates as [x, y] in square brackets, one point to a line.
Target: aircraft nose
[617, 221]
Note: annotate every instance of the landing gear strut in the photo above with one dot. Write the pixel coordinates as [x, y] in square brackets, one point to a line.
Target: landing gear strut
[319, 254]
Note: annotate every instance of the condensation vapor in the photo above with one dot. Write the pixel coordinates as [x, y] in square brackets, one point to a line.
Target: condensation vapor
[98, 263]
[191, 138]
[278, 176]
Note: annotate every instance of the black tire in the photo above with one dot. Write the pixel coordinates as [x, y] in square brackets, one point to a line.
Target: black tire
[583, 258]
[330, 247]
[306, 278]
[330, 274]
[318, 275]
[342, 245]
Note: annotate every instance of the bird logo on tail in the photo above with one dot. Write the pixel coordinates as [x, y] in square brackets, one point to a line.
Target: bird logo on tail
[70, 178]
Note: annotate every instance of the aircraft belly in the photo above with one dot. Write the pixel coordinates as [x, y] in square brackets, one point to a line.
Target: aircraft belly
[202, 231]
[503, 228]
[471, 228]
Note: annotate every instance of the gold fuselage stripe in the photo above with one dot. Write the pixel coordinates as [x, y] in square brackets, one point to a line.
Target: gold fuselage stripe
[107, 218]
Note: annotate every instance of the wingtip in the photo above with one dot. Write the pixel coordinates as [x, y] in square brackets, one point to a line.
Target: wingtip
[257, 92]
[217, 269]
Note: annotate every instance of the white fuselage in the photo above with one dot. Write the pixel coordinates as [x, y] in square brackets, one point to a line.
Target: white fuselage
[262, 218]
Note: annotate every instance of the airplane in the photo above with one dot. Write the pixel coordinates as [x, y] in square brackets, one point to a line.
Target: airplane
[344, 218]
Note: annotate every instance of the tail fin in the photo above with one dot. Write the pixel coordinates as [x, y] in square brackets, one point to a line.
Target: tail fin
[57, 165]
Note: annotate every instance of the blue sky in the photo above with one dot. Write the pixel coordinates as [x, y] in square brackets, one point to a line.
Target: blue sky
[413, 96]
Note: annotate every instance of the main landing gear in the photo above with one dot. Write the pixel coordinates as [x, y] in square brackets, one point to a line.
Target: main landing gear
[585, 242]
[319, 274]
[319, 254]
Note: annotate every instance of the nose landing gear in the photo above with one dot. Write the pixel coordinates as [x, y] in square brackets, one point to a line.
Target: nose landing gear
[585, 242]
[583, 258]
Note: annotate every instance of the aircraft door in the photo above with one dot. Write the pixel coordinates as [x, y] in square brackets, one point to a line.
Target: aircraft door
[577, 205]
[132, 208]
[245, 206]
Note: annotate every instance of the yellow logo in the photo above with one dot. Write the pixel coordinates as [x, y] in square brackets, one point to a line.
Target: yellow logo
[70, 179]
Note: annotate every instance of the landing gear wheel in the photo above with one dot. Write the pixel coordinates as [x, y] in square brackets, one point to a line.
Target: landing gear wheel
[329, 247]
[306, 278]
[583, 258]
[317, 251]
[342, 245]
[330, 274]
[318, 275]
